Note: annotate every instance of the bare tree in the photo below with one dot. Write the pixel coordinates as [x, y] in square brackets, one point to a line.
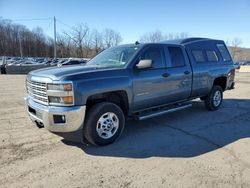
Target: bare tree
[97, 41]
[62, 45]
[111, 38]
[235, 44]
[77, 35]
[181, 35]
[155, 36]
[87, 44]
[40, 45]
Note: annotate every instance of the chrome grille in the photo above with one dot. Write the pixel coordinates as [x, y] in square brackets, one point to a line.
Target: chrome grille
[37, 90]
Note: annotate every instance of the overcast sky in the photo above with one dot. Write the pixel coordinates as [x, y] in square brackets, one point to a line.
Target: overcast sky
[221, 19]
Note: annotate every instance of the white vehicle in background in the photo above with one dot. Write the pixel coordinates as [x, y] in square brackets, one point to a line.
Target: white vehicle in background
[72, 61]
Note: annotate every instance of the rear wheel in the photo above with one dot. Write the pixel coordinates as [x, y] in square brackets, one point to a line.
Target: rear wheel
[104, 123]
[214, 99]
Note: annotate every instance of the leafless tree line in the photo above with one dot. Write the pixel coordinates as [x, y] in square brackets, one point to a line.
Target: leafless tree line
[238, 53]
[15, 36]
[80, 41]
[157, 36]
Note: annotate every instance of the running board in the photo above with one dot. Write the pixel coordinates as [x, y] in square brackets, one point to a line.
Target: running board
[163, 111]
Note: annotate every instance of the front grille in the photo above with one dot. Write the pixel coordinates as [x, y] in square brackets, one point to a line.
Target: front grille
[37, 90]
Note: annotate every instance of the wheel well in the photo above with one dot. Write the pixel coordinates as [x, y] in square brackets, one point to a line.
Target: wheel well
[119, 98]
[221, 81]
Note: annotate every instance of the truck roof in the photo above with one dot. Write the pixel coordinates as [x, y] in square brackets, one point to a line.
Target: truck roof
[187, 41]
[183, 42]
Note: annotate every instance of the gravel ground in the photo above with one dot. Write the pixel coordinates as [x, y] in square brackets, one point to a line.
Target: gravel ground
[190, 148]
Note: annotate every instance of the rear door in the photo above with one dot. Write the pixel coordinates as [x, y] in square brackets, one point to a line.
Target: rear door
[180, 73]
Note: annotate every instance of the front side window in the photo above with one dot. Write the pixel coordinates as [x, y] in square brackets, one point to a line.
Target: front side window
[114, 57]
[198, 55]
[211, 56]
[156, 55]
[224, 52]
[176, 56]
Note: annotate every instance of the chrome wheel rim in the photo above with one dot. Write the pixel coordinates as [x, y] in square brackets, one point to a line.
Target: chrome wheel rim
[217, 98]
[107, 125]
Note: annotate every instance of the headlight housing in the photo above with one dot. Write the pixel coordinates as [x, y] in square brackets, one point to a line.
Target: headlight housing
[60, 87]
[60, 94]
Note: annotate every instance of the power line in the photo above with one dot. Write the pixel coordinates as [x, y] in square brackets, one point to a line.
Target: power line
[32, 19]
[48, 26]
[64, 24]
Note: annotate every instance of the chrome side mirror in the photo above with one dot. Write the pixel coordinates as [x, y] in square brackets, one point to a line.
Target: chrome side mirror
[144, 64]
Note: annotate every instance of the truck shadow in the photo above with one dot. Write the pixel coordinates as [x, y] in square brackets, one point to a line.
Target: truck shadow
[187, 133]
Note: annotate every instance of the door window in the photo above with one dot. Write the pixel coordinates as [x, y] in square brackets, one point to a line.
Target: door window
[156, 55]
[176, 56]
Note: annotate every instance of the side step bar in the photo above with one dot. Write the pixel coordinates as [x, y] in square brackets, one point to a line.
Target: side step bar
[163, 111]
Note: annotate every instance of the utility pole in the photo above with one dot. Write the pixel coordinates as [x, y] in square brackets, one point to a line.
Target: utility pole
[54, 37]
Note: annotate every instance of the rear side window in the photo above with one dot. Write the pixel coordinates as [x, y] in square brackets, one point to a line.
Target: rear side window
[156, 55]
[176, 56]
[224, 52]
[211, 56]
[198, 55]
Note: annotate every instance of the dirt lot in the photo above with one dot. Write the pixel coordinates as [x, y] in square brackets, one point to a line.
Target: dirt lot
[191, 148]
[245, 68]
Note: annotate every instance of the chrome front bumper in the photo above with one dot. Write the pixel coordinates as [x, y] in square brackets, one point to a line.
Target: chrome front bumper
[41, 114]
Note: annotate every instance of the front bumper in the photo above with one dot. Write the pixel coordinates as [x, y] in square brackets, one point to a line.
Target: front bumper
[41, 114]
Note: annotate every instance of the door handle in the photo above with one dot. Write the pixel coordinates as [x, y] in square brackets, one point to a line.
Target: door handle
[165, 75]
[187, 72]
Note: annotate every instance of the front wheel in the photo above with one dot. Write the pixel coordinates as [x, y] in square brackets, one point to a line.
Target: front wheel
[214, 99]
[104, 123]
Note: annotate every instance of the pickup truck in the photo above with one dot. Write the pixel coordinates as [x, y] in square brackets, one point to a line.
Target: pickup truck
[129, 81]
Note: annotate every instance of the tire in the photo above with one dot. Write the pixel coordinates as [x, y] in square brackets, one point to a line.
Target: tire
[214, 99]
[104, 124]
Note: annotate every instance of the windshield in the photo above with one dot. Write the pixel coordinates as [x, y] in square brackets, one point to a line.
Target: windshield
[116, 56]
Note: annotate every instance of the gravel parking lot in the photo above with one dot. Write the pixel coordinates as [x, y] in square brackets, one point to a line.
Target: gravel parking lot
[190, 148]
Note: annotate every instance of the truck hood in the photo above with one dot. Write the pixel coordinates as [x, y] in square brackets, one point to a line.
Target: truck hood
[58, 73]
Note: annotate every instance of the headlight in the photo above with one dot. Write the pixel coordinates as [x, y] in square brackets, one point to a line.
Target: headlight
[60, 87]
[60, 94]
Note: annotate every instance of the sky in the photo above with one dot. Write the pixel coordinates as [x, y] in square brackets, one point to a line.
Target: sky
[219, 19]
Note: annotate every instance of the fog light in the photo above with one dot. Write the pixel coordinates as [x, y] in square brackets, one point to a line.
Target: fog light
[54, 99]
[59, 119]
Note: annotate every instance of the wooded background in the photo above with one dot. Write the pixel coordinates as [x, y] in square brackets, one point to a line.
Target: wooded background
[81, 41]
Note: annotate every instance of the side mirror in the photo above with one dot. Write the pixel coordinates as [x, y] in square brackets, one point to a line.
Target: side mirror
[144, 64]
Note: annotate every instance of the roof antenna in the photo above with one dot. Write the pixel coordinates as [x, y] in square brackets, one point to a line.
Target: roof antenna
[136, 43]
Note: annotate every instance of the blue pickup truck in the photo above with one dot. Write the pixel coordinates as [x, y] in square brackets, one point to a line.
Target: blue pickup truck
[129, 81]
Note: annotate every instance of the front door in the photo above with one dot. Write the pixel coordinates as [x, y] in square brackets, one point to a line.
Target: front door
[169, 79]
